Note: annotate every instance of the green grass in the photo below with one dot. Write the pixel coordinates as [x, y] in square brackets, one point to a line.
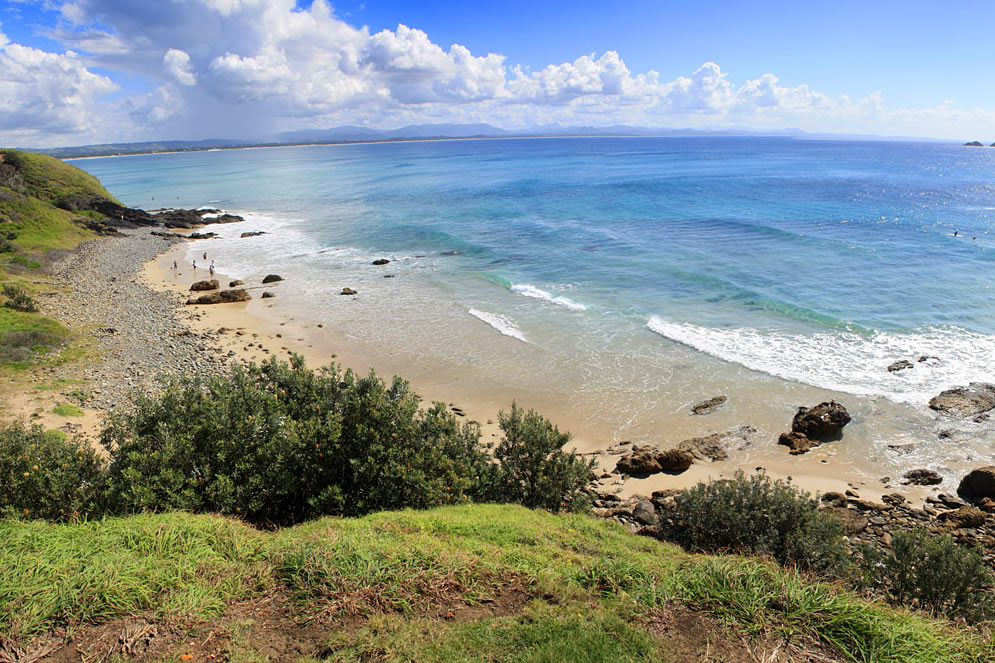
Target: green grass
[24, 335]
[56, 384]
[589, 587]
[67, 410]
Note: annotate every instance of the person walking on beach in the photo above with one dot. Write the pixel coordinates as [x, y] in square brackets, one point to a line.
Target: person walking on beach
[175, 266]
[205, 255]
[195, 265]
[212, 268]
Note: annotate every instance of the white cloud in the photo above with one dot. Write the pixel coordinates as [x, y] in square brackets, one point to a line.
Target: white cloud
[253, 66]
[48, 93]
[3, 38]
[177, 64]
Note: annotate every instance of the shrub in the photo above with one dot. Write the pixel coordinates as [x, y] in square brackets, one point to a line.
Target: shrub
[757, 515]
[932, 573]
[45, 475]
[67, 410]
[279, 443]
[532, 467]
[18, 300]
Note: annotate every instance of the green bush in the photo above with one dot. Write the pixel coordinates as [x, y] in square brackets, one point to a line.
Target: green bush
[932, 573]
[532, 467]
[44, 475]
[279, 443]
[758, 515]
[18, 300]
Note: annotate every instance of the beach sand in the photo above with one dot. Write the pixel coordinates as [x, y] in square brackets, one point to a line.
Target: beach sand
[261, 328]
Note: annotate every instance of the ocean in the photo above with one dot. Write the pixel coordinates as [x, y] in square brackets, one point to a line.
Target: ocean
[615, 281]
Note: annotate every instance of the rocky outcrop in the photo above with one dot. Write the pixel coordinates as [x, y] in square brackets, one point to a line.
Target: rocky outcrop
[797, 443]
[974, 143]
[381, 261]
[709, 406]
[967, 401]
[272, 278]
[268, 294]
[922, 477]
[223, 297]
[900, 365]
[822, 422]
[201, 235]
[717, 445]
[253, 233]
[978, 484]
[645, 460]
[348, 291]
[205, 285]
[965, 516]
[236, 282]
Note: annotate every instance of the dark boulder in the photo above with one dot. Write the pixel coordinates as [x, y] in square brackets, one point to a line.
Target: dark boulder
[272, 278]
[674, 460]
[348, 291]
[965, 516]
[967, 401]
[978, 484]
[267, 294]
[709, 406]
[201, 235]
[798, 443]
[205, 285]
[253, 233]
[644, 513]
[223, 297]
[381, 261]
[640, 461]
[900, 365]
[922, 478]
[236, 282]
[822, 422]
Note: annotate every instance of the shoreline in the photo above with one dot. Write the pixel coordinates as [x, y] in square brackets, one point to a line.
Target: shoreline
[264, 328]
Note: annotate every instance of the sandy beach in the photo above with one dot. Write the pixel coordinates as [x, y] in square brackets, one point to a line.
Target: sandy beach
[261, 328]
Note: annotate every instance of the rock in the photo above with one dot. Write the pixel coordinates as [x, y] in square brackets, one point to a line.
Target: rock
[201, 235]
[272, 278]
[640, 461]
[644, 513]
[927, 358]
[709, 406]
[821, 422]
[900, 365]
[717, 445]
[205, 285]
[966, 516]
[797, 442]
[922, 477]
[853, 522]
[987, 505]
[348, 291]
[381, 261]
[966, 401]
[268, 294]
[236, 282]
[834, 497]
[253, 233]
[675, 460]
[978, 484]
[974, 143]
[223, 297]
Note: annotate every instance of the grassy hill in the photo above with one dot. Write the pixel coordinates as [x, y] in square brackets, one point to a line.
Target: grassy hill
[471, 583]
[37, 225]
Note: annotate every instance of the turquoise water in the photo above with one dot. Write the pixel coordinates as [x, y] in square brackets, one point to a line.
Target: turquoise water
[817, 262]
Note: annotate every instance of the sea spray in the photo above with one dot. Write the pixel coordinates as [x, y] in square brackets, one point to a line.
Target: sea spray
[528, 290]
[502, 323]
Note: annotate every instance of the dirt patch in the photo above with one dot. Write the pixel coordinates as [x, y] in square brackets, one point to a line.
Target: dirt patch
[505, 601]
[689, 636]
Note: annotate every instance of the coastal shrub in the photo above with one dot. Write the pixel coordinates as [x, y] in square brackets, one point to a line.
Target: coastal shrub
[932, 573]
[759, 515]
[532, 467]
[18, 300]
[279, 443]
[46, 475]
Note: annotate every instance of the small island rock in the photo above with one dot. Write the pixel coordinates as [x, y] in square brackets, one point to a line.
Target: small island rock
[899, 365]
[348, 291]
[381, 261]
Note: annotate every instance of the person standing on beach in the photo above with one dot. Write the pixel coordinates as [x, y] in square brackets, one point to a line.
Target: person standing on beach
[175, 266]
[195, 265]
[205, 255]
[212, 268]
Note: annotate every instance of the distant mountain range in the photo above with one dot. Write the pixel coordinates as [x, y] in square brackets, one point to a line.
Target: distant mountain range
[353, 134]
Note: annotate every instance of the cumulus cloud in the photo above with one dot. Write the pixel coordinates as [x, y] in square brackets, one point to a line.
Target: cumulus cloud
[48, 92]
[177, 64]
[258, 65]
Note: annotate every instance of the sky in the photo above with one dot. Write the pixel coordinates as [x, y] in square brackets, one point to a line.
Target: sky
[76, 72]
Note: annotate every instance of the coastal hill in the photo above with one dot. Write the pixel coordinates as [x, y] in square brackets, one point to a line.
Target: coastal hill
[172, 541]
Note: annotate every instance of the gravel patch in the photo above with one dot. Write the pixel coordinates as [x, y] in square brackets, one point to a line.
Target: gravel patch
[135, 329]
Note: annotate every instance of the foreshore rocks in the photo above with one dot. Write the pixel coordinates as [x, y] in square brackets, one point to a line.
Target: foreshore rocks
[969, 401]
[253, 233]
[222, 297]
[978, 484]
[709, 406]
[813, 426]
[272, 278]
[900, 365]
[348, 291]
[922, 477]
[199, 286]
[380, 261]
[645, 460]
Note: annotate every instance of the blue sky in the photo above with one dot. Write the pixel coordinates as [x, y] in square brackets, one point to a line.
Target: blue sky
[74, 71]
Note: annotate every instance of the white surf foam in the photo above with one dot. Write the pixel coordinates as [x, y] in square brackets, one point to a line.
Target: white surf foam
[849, 362]
[502, 323]
[528, 290]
